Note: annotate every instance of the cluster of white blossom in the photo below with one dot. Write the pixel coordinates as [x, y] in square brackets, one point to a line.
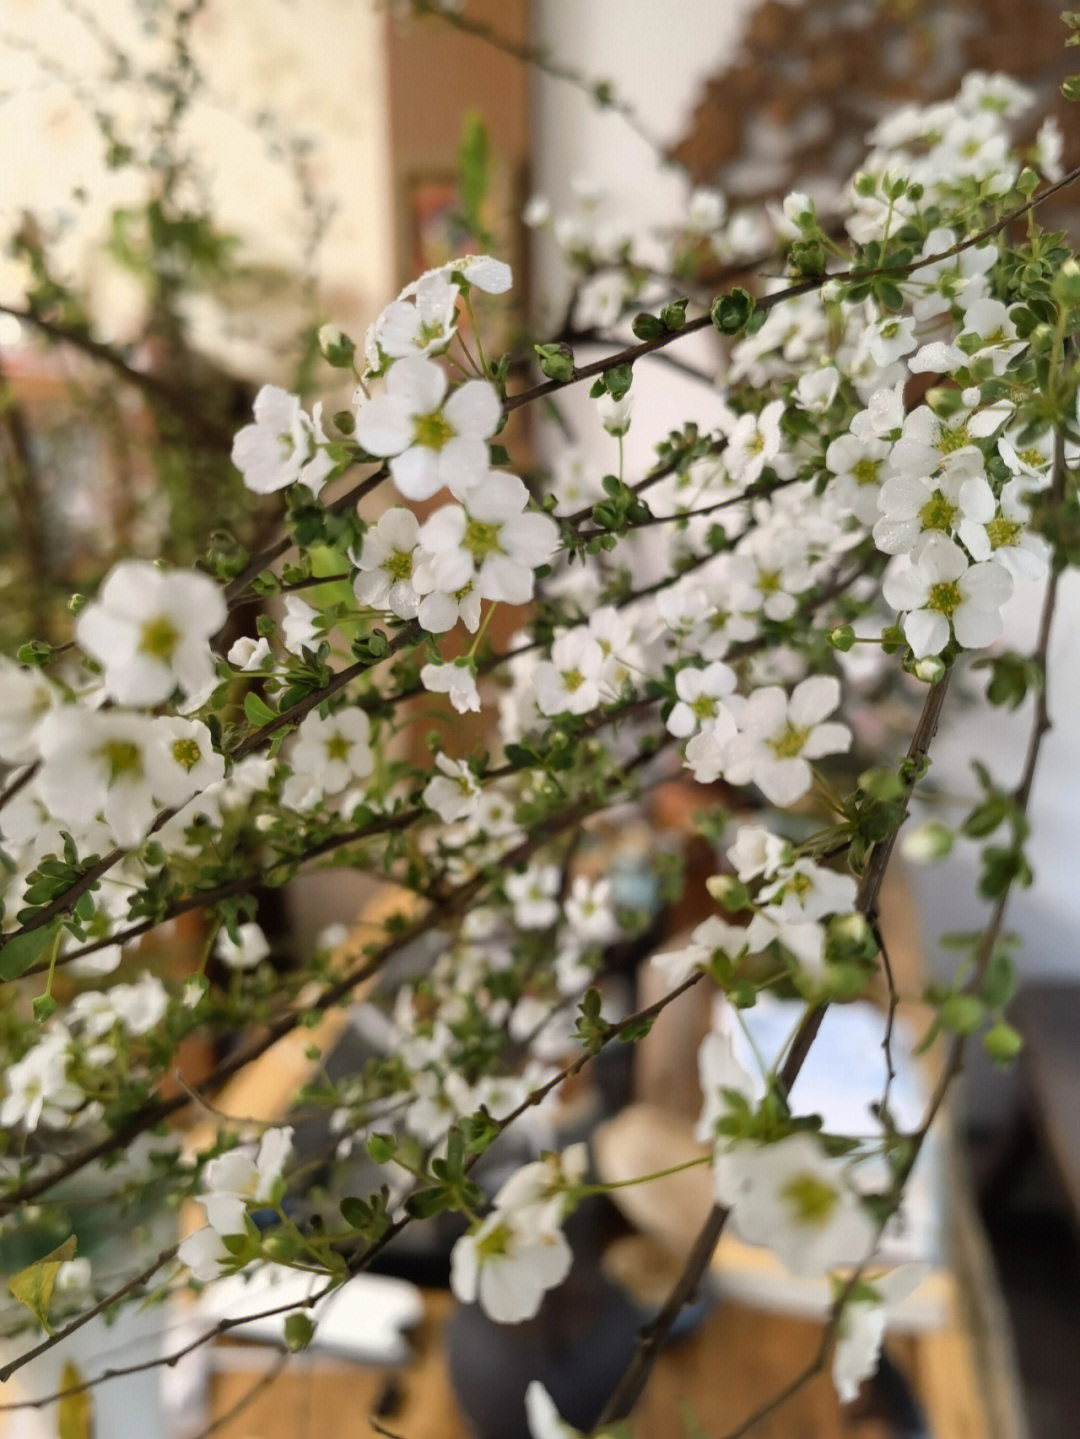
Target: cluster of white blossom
[706, 610]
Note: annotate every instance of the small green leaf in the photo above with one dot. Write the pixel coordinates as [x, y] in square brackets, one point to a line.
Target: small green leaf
[22, 950]
[257, 710]
[33, 1286]
[618, 380]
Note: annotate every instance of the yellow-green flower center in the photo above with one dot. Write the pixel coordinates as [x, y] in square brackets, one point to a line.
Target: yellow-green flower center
[572, 680]
[398, 564]
[159, 638]
[938, 513]
[704, 707]
[811, 1199]
[944, 597]
[768, 581]
[1001, 531]
[186, 753]
[496, 1241]
[790, 743]
[865, 471]
[122, 758]
[337, 747]
[432, 431]
[951, 440]
[481, 539]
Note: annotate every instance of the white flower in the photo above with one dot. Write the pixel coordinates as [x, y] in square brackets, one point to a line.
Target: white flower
[508, 1266]
[26, 697]
[590, 910]
[705, 211]
[796, 1200]
[483, 272]
[700, 694]
[457, 681]
[151, 629]
[454, 793]
[126, 763]
[39, 1090]
[719, 1068]
[859, 465]
[535, 1195]
[533, 893]
[250, 948]
[940, 593]
[283, 446]
[707, 751]
[424, 327]
[805, 939]
[712, 937]
[912, 508]
[928, 439]
[804, 890]
[754, 442]
[890, 338]
[387, 559]
[816, 389]
[431, 440]
[333, 751]
[1004, 534]
[236, 1179]
[250, 654]
[615, 414]
[188, 764]
[862, 1327]
[300, 625]
[569, 683]
[778, 735]
[204, 1253]
[756, 851]
[490, 541]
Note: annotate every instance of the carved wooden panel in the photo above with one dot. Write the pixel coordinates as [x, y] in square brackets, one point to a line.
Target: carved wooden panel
[811, 79]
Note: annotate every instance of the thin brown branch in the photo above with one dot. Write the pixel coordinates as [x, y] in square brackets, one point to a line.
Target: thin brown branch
[136, 1282]
[209, 430]
[234, 590]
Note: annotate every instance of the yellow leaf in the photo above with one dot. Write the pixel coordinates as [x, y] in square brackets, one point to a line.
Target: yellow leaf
[33, 1286]
[75, 1414]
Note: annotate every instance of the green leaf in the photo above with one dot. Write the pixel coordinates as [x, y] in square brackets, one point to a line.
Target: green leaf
[473, 171]
[618, 380]
[33, 1286]
[257, 710]
[22, 950]
[1000, 982]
